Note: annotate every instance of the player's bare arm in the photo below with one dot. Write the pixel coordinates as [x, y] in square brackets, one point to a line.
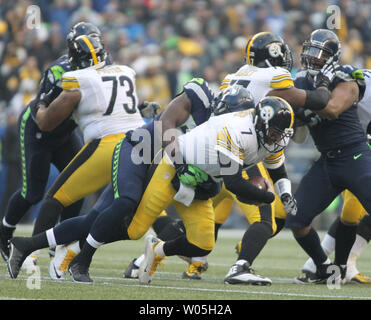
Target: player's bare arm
[300, 98]
[175, 114]
[342, 98]
[50, 117]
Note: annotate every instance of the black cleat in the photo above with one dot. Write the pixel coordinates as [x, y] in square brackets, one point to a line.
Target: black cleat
[17, 255]
[324, 272]
[131, 271]
[79, 272]
[5, 235]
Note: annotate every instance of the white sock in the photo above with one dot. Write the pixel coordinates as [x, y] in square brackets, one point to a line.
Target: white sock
[50, 237]
[203, 259]
[359, 245]
[328, 244]
[241, 262]
[159, 249]
[139, 260]
[94, 243]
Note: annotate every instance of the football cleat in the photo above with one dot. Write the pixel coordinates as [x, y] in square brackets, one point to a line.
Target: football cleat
[194, 270]
[243, 274]
[59, 264]
[361, 278]
[320, 276]
[132, 270]
[79, 273]
[151, 261]
[5, 235]
[31, 261]
[16, 257]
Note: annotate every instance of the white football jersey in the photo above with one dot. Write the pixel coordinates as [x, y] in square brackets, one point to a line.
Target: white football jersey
[259, 81]
[108, 102]
[232, 134]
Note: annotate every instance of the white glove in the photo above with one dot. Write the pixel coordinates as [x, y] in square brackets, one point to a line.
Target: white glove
[289, 203]
[326, 75]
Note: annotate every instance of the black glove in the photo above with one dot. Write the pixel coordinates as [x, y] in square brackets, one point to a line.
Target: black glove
[289, 203]
[149, 109]
[326, 75]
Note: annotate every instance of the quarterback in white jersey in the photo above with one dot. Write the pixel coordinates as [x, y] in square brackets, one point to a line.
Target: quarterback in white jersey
[233, 135]
[103, 101]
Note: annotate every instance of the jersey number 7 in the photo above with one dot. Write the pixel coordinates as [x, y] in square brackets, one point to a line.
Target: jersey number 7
[129, 93]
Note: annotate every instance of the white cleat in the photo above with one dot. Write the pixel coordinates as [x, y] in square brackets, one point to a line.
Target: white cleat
[30, 263]
[243, 274]
[63, 256]
[151, 260]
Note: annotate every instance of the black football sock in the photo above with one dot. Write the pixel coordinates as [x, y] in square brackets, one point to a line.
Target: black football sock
[332, 230]
[280, 223]
[16, 209]
[71, 211]
[75, 228]
[30, 244]
[344, 240]
[180, 246]
[85, 257]
[216, 231]
[254, 240]
[312, 246]
[48, 216]
[364, 228]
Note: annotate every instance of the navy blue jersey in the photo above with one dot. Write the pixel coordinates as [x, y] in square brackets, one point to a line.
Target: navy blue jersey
[198, 91]
[200, 96]
[340, 132]
[51, 80]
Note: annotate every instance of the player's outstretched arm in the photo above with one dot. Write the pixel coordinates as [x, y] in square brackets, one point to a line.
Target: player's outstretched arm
[50, 117]
[342, 98]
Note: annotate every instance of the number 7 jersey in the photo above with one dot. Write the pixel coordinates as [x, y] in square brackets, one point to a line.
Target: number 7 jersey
[108, 102]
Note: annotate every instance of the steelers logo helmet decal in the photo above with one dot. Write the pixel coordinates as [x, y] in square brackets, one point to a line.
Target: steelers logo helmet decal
[274, 50]
[266, 113]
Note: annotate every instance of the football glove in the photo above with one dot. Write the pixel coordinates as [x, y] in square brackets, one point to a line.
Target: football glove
[326, 75]
[190, 174]
[289, 203]
[149, 109]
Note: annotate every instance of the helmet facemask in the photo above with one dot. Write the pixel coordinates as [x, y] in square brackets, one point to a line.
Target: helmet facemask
[273, 125]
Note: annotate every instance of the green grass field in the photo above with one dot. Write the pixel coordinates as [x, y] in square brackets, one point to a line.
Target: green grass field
[280, 260]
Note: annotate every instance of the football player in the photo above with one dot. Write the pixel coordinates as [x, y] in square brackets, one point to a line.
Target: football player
[352, 209]
[266, 72]
[41, 148]
[103, 101]
[345, 157]
[189, 109]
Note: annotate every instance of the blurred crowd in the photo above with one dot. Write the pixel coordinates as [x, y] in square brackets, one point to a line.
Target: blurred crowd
[167, 42]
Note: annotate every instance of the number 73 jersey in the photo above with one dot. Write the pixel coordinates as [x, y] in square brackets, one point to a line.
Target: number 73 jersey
[259, 81]
[108, 102]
